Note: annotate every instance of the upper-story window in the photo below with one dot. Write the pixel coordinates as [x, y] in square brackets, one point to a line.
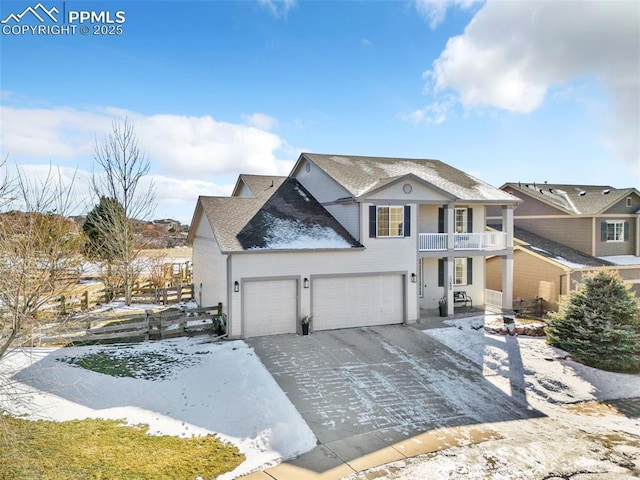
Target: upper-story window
[629, 202]
[461, 222]
[389, 221]
[614, 231]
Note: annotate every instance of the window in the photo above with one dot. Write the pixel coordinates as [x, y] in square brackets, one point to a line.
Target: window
[461, 220]
[629, 202]
[389, 221]
[462, 274]
[615, 231]
[461, 271]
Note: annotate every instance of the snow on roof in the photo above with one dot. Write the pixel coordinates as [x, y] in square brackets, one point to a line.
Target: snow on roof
[622, 259]
[288, 233]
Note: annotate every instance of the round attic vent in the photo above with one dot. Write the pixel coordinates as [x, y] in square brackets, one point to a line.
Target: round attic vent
[407, 188]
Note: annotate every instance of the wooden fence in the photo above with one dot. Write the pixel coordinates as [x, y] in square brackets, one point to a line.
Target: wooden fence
[151, 326]
[96, 294]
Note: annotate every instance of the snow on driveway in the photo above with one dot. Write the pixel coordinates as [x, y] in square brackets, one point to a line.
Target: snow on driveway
[219, 388]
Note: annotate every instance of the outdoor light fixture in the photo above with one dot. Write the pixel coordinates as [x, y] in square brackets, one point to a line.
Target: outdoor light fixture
[236, 286]
[414, 279]
[305, 282]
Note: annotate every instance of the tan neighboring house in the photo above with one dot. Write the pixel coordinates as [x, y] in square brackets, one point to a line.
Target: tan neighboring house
[350, 241]
[563, 231]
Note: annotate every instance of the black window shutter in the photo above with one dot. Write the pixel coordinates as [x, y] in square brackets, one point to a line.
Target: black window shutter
[626, 231]
[407, 221]
[441, 220]
[469, 220]
[440, 272]
[469, 271]
[603, 231]
[372, 221]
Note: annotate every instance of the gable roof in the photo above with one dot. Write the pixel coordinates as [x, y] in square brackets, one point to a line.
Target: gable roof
[573, 199]
[287, 218]
[362, 175]
[260, 185]
[559, 253]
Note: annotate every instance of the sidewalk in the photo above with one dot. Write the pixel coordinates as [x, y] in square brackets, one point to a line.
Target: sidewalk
[331, 467]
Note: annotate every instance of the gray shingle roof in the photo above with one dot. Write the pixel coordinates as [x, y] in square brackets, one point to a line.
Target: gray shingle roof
[288, 218]
[261, 185]
[360, 175]
[574, 199]
[558, 252]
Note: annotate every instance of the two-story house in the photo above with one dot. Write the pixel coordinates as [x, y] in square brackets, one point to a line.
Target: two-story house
[351, 241]
[565, 231]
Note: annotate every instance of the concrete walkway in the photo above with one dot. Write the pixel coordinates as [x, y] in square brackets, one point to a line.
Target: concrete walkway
[370, 394]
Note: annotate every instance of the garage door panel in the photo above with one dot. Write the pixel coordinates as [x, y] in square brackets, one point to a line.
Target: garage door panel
[357, 301]
[269, 307]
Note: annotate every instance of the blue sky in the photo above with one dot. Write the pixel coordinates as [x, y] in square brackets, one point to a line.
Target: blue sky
[507, 91]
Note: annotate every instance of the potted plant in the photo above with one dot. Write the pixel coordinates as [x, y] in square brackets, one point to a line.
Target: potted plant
[305, 324]
[442, 306]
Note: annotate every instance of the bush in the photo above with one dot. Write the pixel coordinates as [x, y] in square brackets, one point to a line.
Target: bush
[599, 324]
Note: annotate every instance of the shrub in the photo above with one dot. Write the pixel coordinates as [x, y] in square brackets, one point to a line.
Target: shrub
[599, 324]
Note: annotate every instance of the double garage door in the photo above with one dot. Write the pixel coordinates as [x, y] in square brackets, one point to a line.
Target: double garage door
[270, 307]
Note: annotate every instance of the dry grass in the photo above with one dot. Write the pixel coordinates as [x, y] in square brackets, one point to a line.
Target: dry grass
[104, 449]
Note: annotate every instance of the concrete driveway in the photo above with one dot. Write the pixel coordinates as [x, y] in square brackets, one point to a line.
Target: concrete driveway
[361, 390]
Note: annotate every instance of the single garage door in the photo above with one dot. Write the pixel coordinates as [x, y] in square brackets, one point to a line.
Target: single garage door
[357, 301]
[269, 307]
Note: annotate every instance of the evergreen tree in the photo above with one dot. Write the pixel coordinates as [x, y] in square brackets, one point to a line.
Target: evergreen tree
[599, 324]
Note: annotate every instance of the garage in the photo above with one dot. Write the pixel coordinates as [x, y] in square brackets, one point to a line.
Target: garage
[269, 307]
[357, 301]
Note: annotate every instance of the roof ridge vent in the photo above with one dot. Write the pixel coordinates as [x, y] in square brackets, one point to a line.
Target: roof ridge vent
[606, 191]
[582, 193]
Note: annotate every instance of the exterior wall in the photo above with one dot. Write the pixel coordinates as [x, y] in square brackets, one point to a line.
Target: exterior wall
[630, 275]
[324, 188]
[419, 193]
[209, 268]
[627, 247]
[533, 206]
[432, 292]
[570, 231]
[348, 214]
[621, 206]
[532, 277]
[428, 219]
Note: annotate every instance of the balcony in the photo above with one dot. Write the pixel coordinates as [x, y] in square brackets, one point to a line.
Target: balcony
[484, 241]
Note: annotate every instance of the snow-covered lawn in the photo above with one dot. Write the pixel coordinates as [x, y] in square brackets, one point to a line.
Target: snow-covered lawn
[223, 388]
[220, 388]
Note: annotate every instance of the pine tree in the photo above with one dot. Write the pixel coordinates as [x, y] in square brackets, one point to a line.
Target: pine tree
[599, 324]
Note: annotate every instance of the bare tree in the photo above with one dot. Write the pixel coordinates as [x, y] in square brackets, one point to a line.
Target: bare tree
[40, 255]
[124, 180]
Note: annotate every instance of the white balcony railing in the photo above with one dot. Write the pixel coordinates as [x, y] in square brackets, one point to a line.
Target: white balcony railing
[435, 242]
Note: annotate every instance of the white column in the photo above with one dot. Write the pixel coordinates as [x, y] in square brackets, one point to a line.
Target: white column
[507, 283]
[449, 267]
[507, 224]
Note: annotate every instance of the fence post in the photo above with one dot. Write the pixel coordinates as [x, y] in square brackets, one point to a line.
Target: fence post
[179, 293]
[85, 300]
[63, 305]
[219, 308]
[164, 296]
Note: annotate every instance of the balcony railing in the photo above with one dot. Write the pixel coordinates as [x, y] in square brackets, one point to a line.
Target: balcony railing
[436, 242]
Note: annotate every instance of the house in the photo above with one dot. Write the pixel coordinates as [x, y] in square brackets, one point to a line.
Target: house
[565, 231]
[548, 270]
[351, 241]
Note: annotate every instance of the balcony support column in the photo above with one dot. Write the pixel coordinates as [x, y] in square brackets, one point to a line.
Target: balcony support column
[448, 283]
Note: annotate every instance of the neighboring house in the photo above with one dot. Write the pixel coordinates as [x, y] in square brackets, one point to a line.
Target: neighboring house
[563, 231]
[350, 241]
[600, 221]
[549, 270]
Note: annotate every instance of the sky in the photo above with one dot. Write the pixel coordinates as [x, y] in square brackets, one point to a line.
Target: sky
[505, 90]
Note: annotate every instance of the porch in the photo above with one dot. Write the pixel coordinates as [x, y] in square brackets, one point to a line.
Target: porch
[481, 241]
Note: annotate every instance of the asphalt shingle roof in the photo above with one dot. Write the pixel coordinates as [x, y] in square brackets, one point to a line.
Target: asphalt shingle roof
[574, 199]
[556, 251]
[262, 185]
[288, 218]
[360, 175]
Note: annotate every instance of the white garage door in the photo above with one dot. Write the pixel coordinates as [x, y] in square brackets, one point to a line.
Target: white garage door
[269, 307]
[341, 302]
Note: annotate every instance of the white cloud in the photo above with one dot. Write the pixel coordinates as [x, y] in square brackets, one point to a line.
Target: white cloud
[435, 11]
[278, 8]
[512, 53]
[261, 121]
[190, 156]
